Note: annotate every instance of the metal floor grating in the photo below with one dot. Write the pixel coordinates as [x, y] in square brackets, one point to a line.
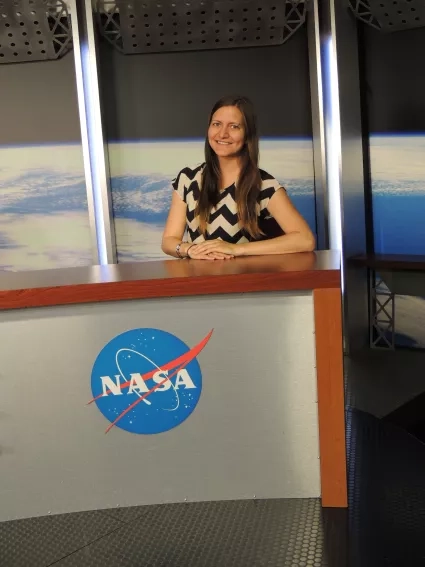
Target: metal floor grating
[382, 528]
[288, 533]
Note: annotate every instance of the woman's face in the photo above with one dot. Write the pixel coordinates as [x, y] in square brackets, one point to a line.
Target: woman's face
[226, 133]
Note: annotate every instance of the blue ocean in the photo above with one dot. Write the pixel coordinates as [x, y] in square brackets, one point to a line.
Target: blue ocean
[158, 194]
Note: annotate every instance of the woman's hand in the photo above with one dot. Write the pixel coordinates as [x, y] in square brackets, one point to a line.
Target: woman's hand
[217, 247]
[211, 250]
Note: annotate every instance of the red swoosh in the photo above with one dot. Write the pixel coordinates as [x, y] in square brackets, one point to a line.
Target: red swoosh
[181, 362]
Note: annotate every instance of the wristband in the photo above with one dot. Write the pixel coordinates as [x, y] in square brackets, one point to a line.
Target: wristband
[187, 251]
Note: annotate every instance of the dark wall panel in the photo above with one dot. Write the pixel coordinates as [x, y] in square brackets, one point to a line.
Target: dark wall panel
[395, 80]
[170, 95]
[39, 102]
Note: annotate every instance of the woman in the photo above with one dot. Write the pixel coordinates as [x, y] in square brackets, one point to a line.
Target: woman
[227, 205]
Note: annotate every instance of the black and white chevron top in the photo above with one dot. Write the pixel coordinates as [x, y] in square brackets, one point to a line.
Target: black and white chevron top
[223, 222]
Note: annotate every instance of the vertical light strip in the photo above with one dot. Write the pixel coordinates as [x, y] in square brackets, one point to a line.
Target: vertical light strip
[95, 159]
[84, 128]
[333, 142]
[318, 126]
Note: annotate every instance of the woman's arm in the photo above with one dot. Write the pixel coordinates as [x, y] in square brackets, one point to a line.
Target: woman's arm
[174, 231]
[175, 228]
[297, 238]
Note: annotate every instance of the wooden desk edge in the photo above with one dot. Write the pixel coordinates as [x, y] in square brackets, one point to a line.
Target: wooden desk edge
[330, 391]
[163, 288]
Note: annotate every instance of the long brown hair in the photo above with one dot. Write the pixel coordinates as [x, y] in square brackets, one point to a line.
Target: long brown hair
[249, 182]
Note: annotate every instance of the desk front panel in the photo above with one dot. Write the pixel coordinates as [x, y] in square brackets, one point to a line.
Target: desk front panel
[252, 434]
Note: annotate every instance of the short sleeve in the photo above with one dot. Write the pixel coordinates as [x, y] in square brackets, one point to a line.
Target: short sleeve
[179, 185]
[269, 187]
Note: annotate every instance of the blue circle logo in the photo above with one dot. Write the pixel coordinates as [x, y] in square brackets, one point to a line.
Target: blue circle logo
[147, 381]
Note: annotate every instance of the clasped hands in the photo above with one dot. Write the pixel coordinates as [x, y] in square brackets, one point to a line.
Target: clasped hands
[213, 250]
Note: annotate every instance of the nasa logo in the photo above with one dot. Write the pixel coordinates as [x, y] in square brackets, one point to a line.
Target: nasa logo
[147, 381]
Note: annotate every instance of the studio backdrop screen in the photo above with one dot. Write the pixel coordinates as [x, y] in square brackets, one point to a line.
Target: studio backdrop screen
[44, 220]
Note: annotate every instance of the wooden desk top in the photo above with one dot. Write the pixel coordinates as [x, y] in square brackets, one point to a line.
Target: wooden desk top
[169, 278]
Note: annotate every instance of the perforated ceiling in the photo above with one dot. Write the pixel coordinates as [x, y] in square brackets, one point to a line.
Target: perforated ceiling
[33, 30]
[390, 15]
[143, 26]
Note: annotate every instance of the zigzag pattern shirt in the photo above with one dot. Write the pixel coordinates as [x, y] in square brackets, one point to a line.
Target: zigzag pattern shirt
[224, 222]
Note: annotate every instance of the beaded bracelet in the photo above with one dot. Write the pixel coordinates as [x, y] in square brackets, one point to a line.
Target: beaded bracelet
[187, 251]
[178, 251]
